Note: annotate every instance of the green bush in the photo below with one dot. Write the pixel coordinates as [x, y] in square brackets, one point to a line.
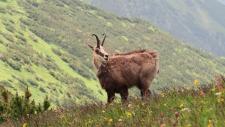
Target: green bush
[42, 90]
[3, 0]
[14, 64]
[20, 107]
[33, 83]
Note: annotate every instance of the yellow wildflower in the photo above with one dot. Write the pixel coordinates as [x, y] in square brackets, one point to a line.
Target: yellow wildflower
[25, 125]
[110, 120]
[196, 83]
[181, 105]
[210, 123]
[129, 114]
[189, 125]
[162, 94]
[219, 100]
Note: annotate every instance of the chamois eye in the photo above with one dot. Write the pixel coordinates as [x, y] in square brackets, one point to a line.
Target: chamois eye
[97, 51]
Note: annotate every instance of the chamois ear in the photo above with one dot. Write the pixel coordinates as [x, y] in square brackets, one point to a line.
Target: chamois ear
[103, 39]
[98, 41]
[90, 46]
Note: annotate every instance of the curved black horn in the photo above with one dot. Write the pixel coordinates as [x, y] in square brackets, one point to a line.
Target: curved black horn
[103, 39]
[98, 41]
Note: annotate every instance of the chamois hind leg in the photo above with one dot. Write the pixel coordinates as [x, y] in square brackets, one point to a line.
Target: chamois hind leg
[111, 96]
[124, 94]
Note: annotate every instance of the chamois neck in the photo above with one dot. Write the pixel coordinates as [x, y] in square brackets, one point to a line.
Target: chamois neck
[98, 61]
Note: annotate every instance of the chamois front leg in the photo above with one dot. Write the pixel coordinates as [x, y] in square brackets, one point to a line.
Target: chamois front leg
[111, 96]
[145, 93]
[124, 94]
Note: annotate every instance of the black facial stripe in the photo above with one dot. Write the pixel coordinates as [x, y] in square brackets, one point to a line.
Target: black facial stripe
[101, 54]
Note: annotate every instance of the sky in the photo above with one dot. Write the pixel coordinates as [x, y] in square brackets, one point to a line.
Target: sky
[222, 1]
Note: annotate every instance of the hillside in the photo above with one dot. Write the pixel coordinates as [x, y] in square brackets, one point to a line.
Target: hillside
[69, 24]
[199, 23]
[43, 46]
[28, 60]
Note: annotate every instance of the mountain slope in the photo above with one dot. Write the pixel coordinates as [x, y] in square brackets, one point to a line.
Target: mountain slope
[200, 23]
[43, 46]
[69, 24]
[27, 60]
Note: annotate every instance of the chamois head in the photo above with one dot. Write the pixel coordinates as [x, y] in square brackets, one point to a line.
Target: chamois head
[99, 50]
[99, 54]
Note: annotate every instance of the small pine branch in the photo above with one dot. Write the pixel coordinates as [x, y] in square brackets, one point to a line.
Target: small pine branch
[27, 94]
[46, 104]
[5, 96]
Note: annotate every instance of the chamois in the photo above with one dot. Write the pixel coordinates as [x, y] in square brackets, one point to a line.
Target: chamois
[119, 72]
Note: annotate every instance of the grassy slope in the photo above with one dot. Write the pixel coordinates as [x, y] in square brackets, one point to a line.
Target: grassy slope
[69, 24]
[177, 108]
[19, 44]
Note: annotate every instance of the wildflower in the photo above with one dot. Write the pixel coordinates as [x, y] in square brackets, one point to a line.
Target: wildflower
[218, 94]
[181, 105]
[25, 125]
[110, 120]
[129, 105]
[210, 123]
[162, 94]
[219, 100]
[103, 111]
[177, 114]
[196, 83]
[129, 114]
[189, 125]
[185, 109]
[213, 89]
[120, 120]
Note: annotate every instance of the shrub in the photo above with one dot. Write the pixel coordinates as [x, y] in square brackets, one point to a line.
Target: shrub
[46, 104]
[42, 89]
[15, 65]
[19, 107]
[33, 83]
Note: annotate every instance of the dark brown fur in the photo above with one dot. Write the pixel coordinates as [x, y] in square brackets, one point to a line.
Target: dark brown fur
[122, 71]
[118, 72]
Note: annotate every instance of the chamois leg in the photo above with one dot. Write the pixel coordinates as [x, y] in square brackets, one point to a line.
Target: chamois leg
[144, 87]
[145, 93]
[124, 94]
[111, 96]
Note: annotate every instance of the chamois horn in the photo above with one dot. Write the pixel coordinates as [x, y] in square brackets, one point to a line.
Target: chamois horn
[103, 39]
[98, 41]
